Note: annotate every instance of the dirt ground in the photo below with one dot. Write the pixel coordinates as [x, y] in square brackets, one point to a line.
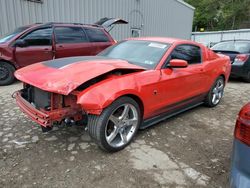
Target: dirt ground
[190, 150]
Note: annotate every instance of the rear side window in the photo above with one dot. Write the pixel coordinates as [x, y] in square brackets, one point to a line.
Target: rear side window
[189, 53]
[96, 35]
[39, 37]
[70, 35]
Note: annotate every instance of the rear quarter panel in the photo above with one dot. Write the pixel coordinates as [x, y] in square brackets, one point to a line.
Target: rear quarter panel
[215, 65]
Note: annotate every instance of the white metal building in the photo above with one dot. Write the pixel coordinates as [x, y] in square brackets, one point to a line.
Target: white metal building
[170, 18]
[208, 38]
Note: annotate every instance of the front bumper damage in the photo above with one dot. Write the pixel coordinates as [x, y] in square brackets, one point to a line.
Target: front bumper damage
[47, 118]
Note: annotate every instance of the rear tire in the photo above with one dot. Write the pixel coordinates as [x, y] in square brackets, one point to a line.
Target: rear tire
[117, 125]
[6, 73]
[216, 92]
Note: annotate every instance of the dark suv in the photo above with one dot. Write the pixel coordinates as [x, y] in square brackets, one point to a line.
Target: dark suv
[40, 42]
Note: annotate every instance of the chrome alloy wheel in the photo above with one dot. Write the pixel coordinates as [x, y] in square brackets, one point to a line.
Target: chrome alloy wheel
[121, 125]
[217, 92]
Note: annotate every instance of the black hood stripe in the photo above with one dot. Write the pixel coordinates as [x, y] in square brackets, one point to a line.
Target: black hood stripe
[59, 63]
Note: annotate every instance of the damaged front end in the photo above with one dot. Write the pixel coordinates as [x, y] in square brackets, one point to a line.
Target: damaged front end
[60, 91]
[48, 109]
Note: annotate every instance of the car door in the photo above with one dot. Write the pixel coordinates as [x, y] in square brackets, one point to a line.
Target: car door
[181, 86]
[38, 47]
[72, 41]
[99, 38]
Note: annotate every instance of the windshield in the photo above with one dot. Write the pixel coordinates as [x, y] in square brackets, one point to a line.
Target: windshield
[11, 35]
[238, 46]
[142, 53]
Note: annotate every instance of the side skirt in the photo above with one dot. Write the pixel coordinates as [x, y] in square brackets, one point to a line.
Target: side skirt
[151, 121]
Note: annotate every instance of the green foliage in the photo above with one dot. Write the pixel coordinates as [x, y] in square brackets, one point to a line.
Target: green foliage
[220, 14]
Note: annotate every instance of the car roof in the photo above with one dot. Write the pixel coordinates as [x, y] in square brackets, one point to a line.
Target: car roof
[69, 24]
[162, 39]
[38, 25]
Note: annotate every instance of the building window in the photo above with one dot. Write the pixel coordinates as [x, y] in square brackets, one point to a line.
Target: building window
[36, 1]
[135, 32]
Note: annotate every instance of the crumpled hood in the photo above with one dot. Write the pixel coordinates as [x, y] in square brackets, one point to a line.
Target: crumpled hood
[66, 74]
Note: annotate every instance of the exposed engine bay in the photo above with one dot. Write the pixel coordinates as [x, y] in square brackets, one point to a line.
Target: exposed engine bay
[57, 109]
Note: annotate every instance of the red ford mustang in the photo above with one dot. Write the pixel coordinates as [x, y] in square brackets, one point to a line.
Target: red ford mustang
[131, 85]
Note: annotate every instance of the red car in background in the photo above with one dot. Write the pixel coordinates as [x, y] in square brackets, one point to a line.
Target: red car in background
[133, 84]
[40, 42]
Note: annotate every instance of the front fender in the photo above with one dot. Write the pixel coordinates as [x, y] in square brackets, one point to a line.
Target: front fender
[7, 55]
[97, 97]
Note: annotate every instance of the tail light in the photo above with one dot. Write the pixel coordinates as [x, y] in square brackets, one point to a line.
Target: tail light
[240, 59]
[242, 128]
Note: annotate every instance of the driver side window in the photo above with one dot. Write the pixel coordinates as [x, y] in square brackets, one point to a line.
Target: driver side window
[187, 52]
[39, 37]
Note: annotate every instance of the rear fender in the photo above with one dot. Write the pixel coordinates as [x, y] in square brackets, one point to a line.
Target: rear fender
[226, 70]
[220, 66]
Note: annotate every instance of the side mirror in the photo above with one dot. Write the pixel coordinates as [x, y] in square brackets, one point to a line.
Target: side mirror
[178, 63]
[21, 43]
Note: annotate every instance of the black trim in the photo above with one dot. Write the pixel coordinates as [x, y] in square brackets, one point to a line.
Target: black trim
[174, 109]
[59, 63]
[226, 51]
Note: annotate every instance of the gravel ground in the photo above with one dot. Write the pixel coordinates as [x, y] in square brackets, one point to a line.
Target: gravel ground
[190, 150]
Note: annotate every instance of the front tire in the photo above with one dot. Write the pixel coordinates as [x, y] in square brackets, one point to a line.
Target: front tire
[117, 125]
[216, 92]
[6, 73]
